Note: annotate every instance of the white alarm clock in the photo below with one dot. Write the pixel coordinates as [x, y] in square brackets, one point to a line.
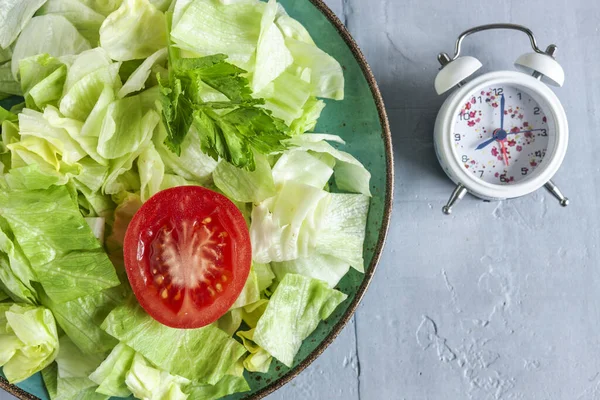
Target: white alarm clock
[505, 133]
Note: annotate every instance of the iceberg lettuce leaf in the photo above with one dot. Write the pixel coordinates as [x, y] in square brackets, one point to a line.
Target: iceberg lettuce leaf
[343, 233]
[49, 34]
[245, 186]
[14, 15]
[28, 340]
[297, 306]
[137, 29]
[67, 259]
[203, 355]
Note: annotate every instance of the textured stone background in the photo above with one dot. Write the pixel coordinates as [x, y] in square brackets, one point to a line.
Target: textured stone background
[500, 300]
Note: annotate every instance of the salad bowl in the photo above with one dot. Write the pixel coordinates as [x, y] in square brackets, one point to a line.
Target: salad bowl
[360, 119]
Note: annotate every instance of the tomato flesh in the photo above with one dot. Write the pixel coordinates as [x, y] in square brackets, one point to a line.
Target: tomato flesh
[187, 255]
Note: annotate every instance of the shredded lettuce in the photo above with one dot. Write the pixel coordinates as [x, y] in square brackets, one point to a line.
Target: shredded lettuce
[28, 340]
[229, 384]
[137, 79]
[149, 383]
[203, 355]
[272, 55]
[50, 34]
[343, 232]
[136, 30]
[16, 274]
[294, 311]
[67, 259]
[258, 360]
[318, 266]
[81, 318]
[111, 374]
[245, 186]
[284, 227]
[210, 27]
[14, 15]
[83, 17]
[350, 174]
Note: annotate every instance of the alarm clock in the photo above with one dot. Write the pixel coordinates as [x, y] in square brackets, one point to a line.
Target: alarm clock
[503, 134]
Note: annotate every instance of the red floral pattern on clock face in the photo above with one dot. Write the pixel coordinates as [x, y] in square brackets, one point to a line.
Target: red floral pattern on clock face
[501, 154]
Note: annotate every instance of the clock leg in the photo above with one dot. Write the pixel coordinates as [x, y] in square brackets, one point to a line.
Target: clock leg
[552, 188]
[458, 193]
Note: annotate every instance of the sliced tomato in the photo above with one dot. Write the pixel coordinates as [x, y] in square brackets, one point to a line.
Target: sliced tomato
[187, 254]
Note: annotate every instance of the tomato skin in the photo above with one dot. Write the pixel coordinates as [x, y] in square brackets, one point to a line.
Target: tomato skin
[187, 256]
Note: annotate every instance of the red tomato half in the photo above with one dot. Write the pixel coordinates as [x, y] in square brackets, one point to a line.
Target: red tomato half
[187, 254]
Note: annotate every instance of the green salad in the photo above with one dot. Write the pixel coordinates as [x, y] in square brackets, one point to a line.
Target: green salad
[116, 102]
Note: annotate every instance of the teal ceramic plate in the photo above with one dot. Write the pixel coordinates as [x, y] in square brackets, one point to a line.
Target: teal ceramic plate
[360, 119]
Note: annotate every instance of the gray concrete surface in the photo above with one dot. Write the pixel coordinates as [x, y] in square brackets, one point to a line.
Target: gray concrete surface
[501, 300]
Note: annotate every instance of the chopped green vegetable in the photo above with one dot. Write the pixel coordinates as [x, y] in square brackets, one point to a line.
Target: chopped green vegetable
[318, 266]
[203, 355]
[81, 319]
[200, 28]
[67, 259]
[28, 340]
[14, 15]
[135, 30]
[350, 174]
[82, 16]
[228, 129]
[47, 34]
[229, 384]
[293, 313]
[258, 360]
[343, 232]
[137, 79]
[149, 383]
[272, 55]
[245, 186]
[284, 227]
[111, 374]
[16, 275]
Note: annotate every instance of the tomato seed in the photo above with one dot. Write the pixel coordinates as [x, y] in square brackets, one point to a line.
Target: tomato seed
[164, 294]
[219, 287]
[223, 234]
[177, 296]
[223, 278]
[159, 279]
[207, 220]
[211, 291]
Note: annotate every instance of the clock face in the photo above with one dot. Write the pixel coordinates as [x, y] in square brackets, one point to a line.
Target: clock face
[500, 134]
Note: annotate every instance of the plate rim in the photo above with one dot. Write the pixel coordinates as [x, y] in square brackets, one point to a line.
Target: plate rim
[386, 136]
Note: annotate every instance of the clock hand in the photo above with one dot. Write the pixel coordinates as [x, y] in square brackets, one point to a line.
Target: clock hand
[503, 150]
[531, 130]
[502, 112]
[486, 143]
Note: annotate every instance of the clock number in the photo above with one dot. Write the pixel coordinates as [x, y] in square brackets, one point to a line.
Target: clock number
[474, 100]
[480, 173]
[498, 91]
[524, 171]
[503, 178]
[536, 111]
[457, 137]
[544, 133]
[465, 116]
[520, 97]
[465, 158]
